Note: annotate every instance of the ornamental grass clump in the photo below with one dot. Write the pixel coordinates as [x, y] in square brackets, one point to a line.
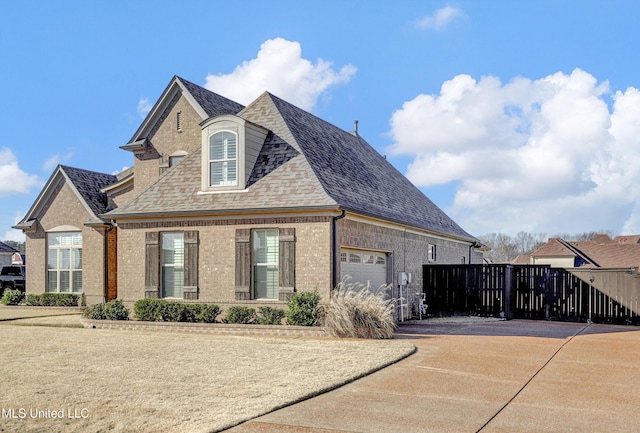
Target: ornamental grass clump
[353, 311]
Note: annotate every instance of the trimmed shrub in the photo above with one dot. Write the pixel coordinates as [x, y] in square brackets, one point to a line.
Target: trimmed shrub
[95, 312]
[116, 310]
[112, 310]
[303, 309]
[241, 315]
[48, 299]
[66, 300]
[208, 313]
[354, 311]
[270, 316]
[33, 300]
[148, 310]
[171, 311]
[12, 297]
[158, 310]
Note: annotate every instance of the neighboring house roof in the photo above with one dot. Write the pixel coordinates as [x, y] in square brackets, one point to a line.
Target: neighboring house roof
[4, 248]
[629, 239]
[521, 259]
[602, 252]
[305, 162]
[611, 255]
[85, 184]
[557, 247]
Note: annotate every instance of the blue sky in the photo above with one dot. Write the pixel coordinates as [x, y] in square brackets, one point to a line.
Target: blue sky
[510, 115]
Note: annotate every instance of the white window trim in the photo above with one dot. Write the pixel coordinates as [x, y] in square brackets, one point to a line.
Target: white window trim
[57, 270]
[210, 127]
[223, 160]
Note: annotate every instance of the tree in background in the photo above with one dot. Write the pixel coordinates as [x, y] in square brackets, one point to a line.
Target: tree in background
[504, 248]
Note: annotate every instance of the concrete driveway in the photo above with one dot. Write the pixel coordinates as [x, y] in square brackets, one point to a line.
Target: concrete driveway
[506, 376]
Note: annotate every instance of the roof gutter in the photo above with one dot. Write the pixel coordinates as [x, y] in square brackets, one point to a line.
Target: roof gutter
[335, 247]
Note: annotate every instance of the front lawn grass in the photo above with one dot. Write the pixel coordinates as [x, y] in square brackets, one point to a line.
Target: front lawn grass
[149, 381]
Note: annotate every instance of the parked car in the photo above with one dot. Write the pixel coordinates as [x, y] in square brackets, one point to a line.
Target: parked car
[12, 277]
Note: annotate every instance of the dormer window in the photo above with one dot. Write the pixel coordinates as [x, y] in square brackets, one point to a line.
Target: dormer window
[223, 159]
[230, 147]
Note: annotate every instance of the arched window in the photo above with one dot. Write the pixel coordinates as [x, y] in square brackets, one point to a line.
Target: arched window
[64, 262]
[223, 158]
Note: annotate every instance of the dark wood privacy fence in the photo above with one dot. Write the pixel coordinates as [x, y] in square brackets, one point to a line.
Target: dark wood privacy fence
[533, 292]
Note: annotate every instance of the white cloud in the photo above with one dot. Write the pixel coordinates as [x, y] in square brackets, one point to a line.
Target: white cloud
[14, 180]
[280, 69]
[440, 18]
[546, 155]
[144, 106]
[12, 234]
[56, 159]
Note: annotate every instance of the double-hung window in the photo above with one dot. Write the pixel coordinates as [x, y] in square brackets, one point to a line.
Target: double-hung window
[265, 264]
[172, 265]
[223, 159]
[64, 262]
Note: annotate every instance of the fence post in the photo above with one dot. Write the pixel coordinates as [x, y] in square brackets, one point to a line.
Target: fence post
[509, 287]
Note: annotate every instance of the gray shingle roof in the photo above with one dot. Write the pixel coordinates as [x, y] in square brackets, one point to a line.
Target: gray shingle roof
[305, 162]
[88, 184]
[358, 177]
[4, 248]
[212, 103]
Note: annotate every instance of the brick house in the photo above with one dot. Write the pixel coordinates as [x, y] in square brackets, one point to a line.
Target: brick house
[600, 252]
[239, 205]
[6, 254]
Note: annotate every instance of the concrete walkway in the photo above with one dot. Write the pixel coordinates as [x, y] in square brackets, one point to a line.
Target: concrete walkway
[515, 376]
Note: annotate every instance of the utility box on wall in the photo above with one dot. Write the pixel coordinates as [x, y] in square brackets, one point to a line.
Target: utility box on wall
[404, 278]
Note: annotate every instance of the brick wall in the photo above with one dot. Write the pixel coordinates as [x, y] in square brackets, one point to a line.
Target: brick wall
[216, 255]
[409, 251]
[64, 208]
[164, 141]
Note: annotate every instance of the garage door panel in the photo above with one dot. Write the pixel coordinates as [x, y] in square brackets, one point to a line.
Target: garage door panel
[363, 266]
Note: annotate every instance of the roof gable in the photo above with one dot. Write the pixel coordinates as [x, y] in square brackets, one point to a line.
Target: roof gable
[206, 103]
[305, 162]
[85, 184]
[554, 247]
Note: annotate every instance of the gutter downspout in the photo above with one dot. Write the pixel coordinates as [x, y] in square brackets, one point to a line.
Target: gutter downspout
[105, 292]
[474, 244]
[335, 247]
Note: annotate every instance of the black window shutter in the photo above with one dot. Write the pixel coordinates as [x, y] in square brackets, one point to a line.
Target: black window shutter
[152, 265]
[243, 264]
[191, 265]
[287, 263]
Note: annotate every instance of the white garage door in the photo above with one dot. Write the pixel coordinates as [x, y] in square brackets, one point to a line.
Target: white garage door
[363, 266]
